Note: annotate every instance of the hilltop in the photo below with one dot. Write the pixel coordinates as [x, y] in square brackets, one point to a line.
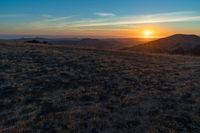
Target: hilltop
[175, 44]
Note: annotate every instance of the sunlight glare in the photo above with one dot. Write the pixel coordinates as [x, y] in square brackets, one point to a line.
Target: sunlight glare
[148, 33]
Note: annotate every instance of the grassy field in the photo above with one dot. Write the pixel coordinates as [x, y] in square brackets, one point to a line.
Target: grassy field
[63, 89]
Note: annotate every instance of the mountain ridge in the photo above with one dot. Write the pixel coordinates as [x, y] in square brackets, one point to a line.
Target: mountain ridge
[175, 44]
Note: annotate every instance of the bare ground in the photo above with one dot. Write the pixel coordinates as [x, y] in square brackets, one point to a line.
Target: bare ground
[60, 89]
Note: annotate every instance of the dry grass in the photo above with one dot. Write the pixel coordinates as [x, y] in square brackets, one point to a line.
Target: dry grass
[63, 89]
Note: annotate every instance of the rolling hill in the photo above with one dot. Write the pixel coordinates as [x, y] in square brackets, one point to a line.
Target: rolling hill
[175, 44]
[108, 44]
[89, 43]
[58, 89]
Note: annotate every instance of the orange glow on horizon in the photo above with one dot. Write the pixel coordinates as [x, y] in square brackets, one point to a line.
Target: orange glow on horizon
[142, 31]
[148, 34]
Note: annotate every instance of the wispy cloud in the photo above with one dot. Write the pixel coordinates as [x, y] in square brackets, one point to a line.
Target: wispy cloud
[59, 18]
[107, 23]
[104, 14]
[71, 24]
[145, 19]
[51, 18]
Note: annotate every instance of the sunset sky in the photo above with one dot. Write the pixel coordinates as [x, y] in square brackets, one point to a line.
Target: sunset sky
[99, 18]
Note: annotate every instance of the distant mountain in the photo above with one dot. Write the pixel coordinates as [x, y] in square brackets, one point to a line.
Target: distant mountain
[175, 44]
[108, 44]
[111, 44]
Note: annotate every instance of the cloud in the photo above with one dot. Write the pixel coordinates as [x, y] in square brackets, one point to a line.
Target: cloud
[183, 16]
[59, 18]
[106, 23]
[119, 23]
[103, 14]
[51, 18]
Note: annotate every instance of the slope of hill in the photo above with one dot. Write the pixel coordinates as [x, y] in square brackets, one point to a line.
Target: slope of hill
[46, 88]
[176, 44]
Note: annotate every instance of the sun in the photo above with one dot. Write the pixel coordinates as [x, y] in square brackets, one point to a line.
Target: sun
[148, 34]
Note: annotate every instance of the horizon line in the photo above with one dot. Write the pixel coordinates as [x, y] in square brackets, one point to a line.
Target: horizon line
[20, 36]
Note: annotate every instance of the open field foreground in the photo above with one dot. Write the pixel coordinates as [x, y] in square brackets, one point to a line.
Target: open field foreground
[59, 89]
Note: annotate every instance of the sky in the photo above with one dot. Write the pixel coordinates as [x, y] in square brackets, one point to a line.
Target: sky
[99, 18]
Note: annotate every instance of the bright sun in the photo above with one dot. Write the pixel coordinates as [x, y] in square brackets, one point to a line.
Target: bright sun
[148, 33]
